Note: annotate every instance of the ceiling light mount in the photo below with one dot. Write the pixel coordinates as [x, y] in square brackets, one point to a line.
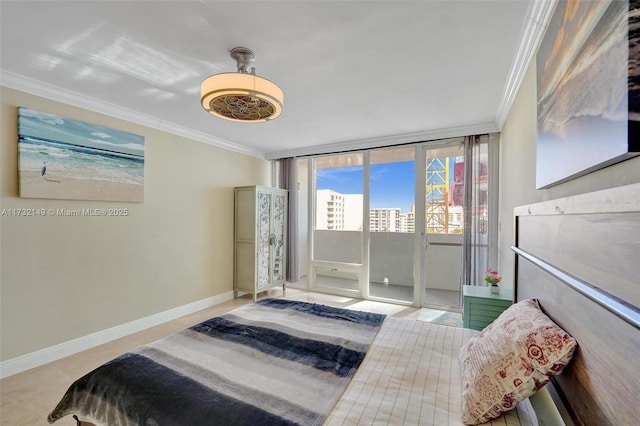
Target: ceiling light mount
[244, 57]
[241, 96]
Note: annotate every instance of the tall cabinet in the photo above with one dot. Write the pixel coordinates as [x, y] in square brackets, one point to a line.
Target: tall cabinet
[260, 239]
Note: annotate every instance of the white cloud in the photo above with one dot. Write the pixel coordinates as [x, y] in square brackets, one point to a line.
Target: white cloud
[100, 135]
[42, 116]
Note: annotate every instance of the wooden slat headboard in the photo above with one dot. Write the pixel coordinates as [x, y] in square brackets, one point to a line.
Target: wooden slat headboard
[580, 257]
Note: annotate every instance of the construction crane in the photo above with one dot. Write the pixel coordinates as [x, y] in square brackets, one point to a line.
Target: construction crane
[437, 196]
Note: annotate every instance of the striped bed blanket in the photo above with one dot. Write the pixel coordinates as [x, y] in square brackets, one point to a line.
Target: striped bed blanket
[275, 362]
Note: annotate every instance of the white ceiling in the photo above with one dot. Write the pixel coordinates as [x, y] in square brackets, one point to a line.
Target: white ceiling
[354, 73]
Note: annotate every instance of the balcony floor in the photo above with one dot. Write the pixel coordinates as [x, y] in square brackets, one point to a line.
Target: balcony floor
[436, 298]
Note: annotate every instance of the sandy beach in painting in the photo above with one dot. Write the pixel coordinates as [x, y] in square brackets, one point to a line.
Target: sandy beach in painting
[59, 187]
[62, 158]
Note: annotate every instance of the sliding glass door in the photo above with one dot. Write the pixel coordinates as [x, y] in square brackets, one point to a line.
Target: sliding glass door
[392, 223]
[443, 225]
[337, 244]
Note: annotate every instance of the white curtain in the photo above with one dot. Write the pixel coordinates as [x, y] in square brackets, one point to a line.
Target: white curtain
[480, 207]
[288, 179]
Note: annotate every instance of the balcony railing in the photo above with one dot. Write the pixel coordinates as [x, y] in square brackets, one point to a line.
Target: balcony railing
[391, 256]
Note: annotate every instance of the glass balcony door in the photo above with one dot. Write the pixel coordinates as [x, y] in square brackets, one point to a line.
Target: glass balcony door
[392, 177]
[337, 242]
[389, 223]
[442, 235]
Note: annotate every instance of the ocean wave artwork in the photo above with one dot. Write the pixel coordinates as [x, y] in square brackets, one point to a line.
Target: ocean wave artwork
[63, 158]
[586, 89]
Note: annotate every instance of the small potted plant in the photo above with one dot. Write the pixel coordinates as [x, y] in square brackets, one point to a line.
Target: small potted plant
[492, 279]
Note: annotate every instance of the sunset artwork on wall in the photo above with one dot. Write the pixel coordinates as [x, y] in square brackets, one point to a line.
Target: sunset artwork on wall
[62, 158]
[588, 80]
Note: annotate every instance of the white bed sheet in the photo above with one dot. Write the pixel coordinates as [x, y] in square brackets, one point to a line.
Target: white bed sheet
[410, 376]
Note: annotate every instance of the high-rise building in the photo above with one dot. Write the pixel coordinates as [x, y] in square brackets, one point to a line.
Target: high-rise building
[408, 220]
[352, 212]
[337, 211]
[340, 212]
[384, 220]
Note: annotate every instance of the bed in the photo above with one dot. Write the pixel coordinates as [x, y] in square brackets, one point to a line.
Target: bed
[286, 362]
[362, 368]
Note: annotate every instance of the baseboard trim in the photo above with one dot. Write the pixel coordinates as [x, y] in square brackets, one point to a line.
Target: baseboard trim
[43, 356]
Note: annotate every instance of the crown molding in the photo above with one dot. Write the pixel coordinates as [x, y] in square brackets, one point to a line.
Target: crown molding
[536, 23]
[385, 141]
[538, 16]
[54, 93]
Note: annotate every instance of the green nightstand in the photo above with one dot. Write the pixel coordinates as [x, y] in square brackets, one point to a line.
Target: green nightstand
[481, 307]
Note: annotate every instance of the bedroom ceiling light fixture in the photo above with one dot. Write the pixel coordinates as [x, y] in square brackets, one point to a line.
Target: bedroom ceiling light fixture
[241, 96]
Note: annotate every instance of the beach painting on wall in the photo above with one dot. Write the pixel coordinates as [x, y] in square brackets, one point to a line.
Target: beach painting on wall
[588, 89]
[62, 158]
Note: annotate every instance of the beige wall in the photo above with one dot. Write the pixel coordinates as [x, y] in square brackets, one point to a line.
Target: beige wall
[67, 277]
[518, 169]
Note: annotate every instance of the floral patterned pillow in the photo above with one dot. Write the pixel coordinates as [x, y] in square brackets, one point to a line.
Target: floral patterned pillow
[510, 360]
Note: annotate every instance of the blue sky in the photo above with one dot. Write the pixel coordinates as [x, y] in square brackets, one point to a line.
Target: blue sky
[51, 127]
[392, 184]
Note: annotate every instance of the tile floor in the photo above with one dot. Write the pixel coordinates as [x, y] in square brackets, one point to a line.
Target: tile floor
[28, 397]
